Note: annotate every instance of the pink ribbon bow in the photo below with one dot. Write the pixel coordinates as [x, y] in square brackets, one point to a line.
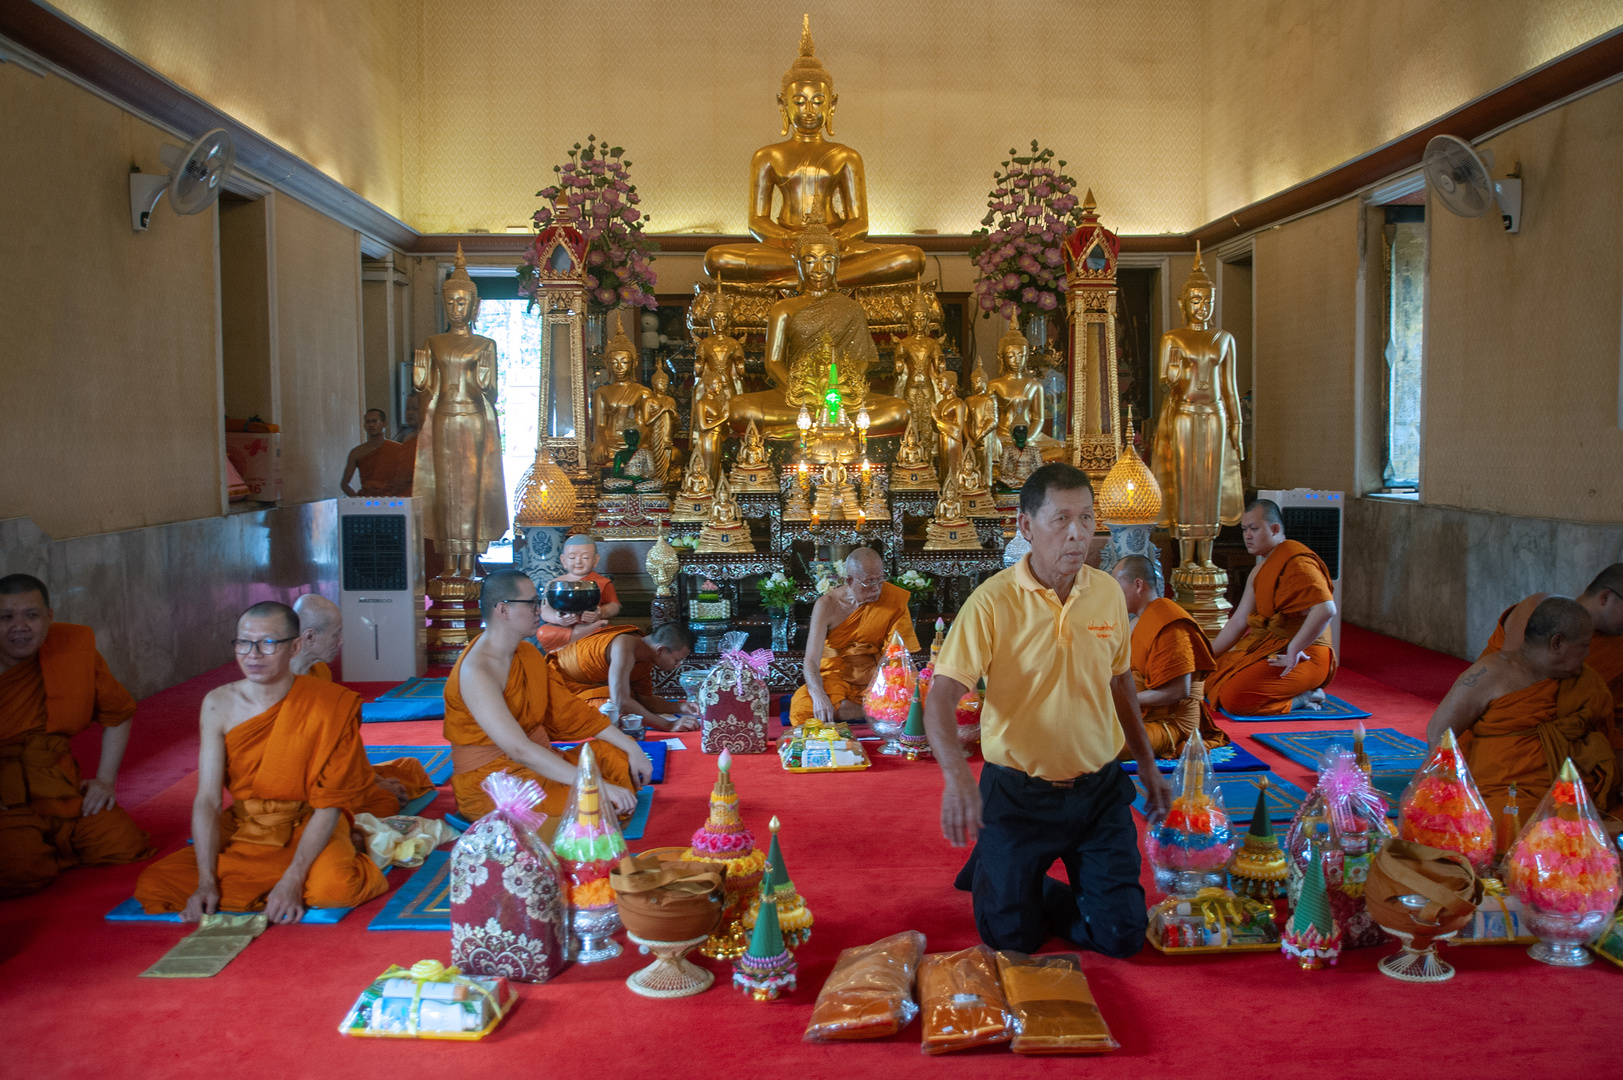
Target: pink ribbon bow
[759, 661]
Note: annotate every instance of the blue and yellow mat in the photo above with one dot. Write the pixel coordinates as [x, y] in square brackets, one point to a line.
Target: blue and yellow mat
[1240, 796]
[423, 902]
[1389, 750]
[1334, 708]
[414, 699]
[1225, 759]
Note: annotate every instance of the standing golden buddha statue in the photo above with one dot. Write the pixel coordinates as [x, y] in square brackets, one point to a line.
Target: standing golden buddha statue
[459, 459]
[980, 434]
[951, 417]
[1197, 451]
[817, 180]
[1012, 387]
[712, 397]
[719, 351]
[658, 418]
[619, 403]
[918, 355]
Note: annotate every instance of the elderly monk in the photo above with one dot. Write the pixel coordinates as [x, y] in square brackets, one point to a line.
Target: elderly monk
[321, 637]
[1170, 661]
[1274, 653]
[579, 559]
[53, 685]
[1529, 707]
[377, 460]
[505, 703]
[1049, 636]
[288, 747]
[850, 627]
[1604, 602]
[618, 665]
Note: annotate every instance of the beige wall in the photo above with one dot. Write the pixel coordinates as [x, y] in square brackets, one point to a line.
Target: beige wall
[320, 78]
[108, 369]
[318, 273]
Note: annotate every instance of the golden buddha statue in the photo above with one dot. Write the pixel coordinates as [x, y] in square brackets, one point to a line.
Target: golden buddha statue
[950, 528]
[1197, 452]
[694, 497]
[980, 431]
[819, 318]
[459, 457]
[658, 417]
[619, 403]
[918, 355]
[752, 469]
[725, 529]
[913, 470]
[718, 351]
[712, 394]
[1014, 385]
[814, 179]
[951, 417]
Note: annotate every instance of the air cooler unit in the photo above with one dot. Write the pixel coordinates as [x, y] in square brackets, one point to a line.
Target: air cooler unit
[1314, 518]
[381, 589]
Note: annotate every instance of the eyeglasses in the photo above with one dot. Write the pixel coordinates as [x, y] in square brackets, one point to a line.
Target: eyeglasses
[267, 647]
[534, 601]
[871, 583]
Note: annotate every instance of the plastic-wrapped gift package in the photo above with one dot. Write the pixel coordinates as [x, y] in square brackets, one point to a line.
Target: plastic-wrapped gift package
[1500, 919]
[1190, 848]
[1054, 1011]
[1442, 808]
[1354, 814]
[507, 893]
[961, 1002]
[736, 704]
[1564, 870]
[1213, 920]
[869, 994]
[890, 691]
[428, 1001]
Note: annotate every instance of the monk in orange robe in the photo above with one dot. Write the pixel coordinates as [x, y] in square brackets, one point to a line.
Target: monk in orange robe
[1520, 712]
[505, 703]
[1170, 662]
[1604, 602]
[377, 460]
[53, 685]
[618, 665]
[579, 559]
[288, 748]
[850, 626]
[406, 466]
[1274, 653]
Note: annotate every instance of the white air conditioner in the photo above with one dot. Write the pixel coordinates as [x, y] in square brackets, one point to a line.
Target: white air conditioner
[381, 589]
[1314, 518]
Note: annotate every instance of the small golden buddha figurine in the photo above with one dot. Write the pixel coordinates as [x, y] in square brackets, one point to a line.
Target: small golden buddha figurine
[980, 437]
[719, 352]
[459, 456]
[1197, 452]
[693, 500]
[1014, 385]
[752, 469]
[658, 417]
[918, 355]
[913, 471]
[725, 530]
[812, 178]
[950, 528]
[712, 394]
[951, 416]
[618, 404]
[804, 334]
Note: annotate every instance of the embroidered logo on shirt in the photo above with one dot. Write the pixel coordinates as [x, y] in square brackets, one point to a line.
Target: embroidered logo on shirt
[1103, 630]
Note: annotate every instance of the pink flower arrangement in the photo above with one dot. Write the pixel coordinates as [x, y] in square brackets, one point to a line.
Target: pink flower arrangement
[594, 194]
[1031, 209]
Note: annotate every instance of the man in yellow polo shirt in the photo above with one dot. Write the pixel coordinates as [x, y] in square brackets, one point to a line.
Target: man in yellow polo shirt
[1050, 636]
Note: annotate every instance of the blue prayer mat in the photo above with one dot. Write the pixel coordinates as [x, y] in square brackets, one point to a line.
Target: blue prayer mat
[1240, 796]
[423, 902]
[1334, 708]
[1388, 748]
[1225, 759]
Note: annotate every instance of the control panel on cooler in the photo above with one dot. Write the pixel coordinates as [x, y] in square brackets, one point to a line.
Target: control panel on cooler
[381, 589]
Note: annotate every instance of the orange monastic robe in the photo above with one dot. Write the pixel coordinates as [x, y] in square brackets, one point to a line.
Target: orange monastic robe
[554, 638]
[1289, 582]
[852, 650]
[44, 702]
[405, 467]
[1605, 656]
[320, 670]
[540, 701]
[301, 755]
[379, 471]
[583, 667]
[408, 770]
[1524, 737]
[1168, 644]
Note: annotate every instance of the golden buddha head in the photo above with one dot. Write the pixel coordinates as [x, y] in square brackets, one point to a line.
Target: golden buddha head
[807, 97]
[817, 256]
[1198, 294]
[620, 354]
[1012, 352]
[946, 382]
[919, 315]
[977, 380]
[460, 294]
[661, 382]
[721, 313]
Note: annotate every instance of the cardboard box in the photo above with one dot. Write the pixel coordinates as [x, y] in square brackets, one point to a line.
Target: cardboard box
[257, 457]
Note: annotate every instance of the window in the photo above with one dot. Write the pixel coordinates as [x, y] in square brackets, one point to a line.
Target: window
[518, 374]
[1403, 325]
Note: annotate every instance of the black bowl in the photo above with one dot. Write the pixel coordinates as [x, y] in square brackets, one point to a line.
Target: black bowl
[571, 597]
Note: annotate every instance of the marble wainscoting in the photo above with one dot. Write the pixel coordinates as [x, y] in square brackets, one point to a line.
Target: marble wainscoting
[1439, 577]
[164, 600]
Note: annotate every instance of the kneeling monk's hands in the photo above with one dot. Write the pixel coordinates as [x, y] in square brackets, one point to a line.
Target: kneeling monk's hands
[822, 707]
[960, 812]
[621, 801]
[394, 787]
[690, 708]
[98, 796]
[285, 904]
[1287, 662]
[641, 767]
[205, 901]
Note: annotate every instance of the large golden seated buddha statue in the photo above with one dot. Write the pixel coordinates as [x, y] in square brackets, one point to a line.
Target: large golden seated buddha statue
[813, 179]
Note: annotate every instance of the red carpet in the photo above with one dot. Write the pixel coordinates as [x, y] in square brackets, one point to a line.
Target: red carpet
[865, 850]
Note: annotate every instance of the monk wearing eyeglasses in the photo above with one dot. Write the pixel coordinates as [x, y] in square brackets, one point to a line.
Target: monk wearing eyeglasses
[53, 685]
[849, 628]
[288, 747]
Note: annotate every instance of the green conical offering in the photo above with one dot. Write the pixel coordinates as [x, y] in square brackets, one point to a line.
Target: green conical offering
[915, 716]
[776, 882]
[766, 943]
[1261, 827]
[1313, 905]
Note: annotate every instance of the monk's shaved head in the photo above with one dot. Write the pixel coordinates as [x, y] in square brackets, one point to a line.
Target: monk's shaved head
[502, 586]
[315, 612]
[864, 562]
[1608, 580]
[270, 609]
[1558, 615]
[19, 584]
[673, 636]
[1268, 509]
[1130, 568]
